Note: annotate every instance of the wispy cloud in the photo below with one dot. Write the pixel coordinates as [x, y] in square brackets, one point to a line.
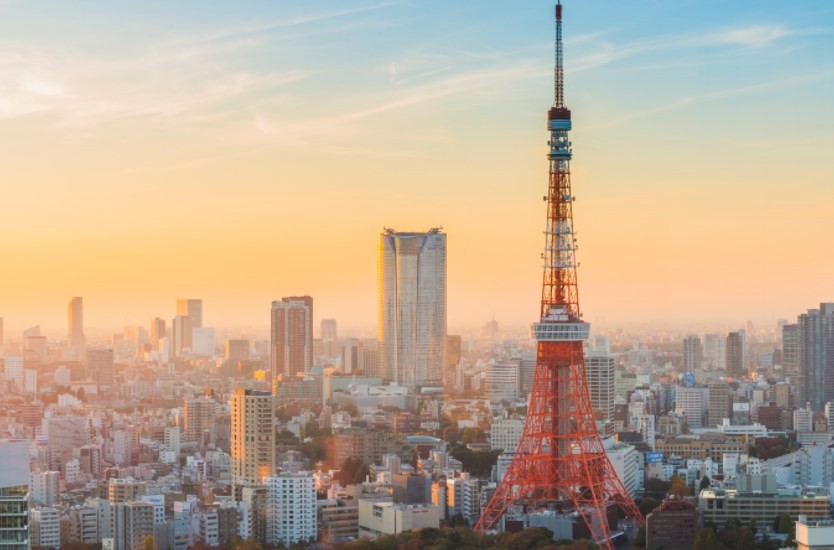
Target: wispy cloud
[685, 101]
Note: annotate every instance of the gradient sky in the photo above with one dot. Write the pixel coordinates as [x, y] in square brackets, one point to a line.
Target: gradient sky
[244, 151]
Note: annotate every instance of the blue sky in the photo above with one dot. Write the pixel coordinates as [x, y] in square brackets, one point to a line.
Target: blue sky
[702, 139]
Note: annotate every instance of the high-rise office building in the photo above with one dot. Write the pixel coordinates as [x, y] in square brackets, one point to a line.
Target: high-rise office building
[734, 353]
[200, 414]
[599, 369]
[100, 366]
[693, 353]
[75, 333]
[790, 352]
[157, 332]
[411, 324]
[816, 356]
[236, 351]
[2, 341]
[720, 399]
[291, 337]
[328, 330]
[193, 309]
[252, 438]
[14, 495]
[182, 334]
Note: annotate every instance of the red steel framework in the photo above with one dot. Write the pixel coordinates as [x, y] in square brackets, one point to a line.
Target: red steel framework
[560, 462]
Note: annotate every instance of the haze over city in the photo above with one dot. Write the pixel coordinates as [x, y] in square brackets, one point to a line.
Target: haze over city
[248, 152]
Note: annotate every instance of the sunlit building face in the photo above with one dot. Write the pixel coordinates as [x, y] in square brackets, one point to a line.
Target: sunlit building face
[412, 307]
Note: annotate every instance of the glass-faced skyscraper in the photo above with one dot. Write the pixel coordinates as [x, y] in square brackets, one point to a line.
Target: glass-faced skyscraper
[412, 307]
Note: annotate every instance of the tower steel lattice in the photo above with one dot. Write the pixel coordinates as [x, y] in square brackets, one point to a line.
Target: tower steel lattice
[560, 463]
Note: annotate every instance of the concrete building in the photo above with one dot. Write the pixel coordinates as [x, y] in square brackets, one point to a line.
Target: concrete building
[502, 381]
[627, 462]
[291, 509]
[386, 518]
[599, 369]
[203, 342]
[700, 449]
[814, 534]
[252, 438]
[44, 488]
[100, 367]
[338, 520]
[412, 307]
[79, 524]
[759, 498]
[720, 399]
[505, 433]
[157, 332]
[193, 309]
[693, 353]
[816, 356]
[329, 330]
[692, 403]
[44, 528]
[132, 522]
[200, 414]
[673, 525]
[14, 495]
[237, 351]
[75, 324]
[291, 340]
[734, 353]
[790, 353]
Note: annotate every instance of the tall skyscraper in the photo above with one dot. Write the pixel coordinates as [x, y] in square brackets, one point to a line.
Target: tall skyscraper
[252, 438]
[75, 333]
[599, 368]
[2, 341]
[734, 353]
[693, 353]
[181, 328]
[14, 495]
[328, 330]
[816, 356]
[291, 336]
[412, 306]
[790, 352]
[193, 309]
[199, 419]
[157, 332]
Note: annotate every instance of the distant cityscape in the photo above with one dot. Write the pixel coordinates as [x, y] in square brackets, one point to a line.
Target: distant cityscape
[164, 431]
[186, 433]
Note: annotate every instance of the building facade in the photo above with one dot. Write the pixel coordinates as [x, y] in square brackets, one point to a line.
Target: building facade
[252, 438]
[291, 337]
[411, 324]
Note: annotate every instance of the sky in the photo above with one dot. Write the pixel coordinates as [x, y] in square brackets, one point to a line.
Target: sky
[239, 152]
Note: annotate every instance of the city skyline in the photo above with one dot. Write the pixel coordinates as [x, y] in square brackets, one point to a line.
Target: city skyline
[192, 131]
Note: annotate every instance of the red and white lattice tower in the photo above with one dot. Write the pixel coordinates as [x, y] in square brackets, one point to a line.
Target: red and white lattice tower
[560, 463]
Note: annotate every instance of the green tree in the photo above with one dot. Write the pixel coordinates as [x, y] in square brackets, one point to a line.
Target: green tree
[647, 504]
[311, 429]
[785, 524]
[745, 539]
[640, 539]
[705, 540]
[678, 487]
[705, 481]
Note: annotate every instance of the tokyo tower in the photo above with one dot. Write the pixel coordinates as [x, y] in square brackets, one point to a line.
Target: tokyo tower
[560, 462]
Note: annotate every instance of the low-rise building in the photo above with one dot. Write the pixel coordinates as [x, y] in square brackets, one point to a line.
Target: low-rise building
[758, 497]
[386, 518]
[673, 525]
[814, 534]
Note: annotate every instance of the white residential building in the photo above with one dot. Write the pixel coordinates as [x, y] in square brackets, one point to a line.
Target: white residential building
[45, 528]
[506, 433]
[290, 509]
